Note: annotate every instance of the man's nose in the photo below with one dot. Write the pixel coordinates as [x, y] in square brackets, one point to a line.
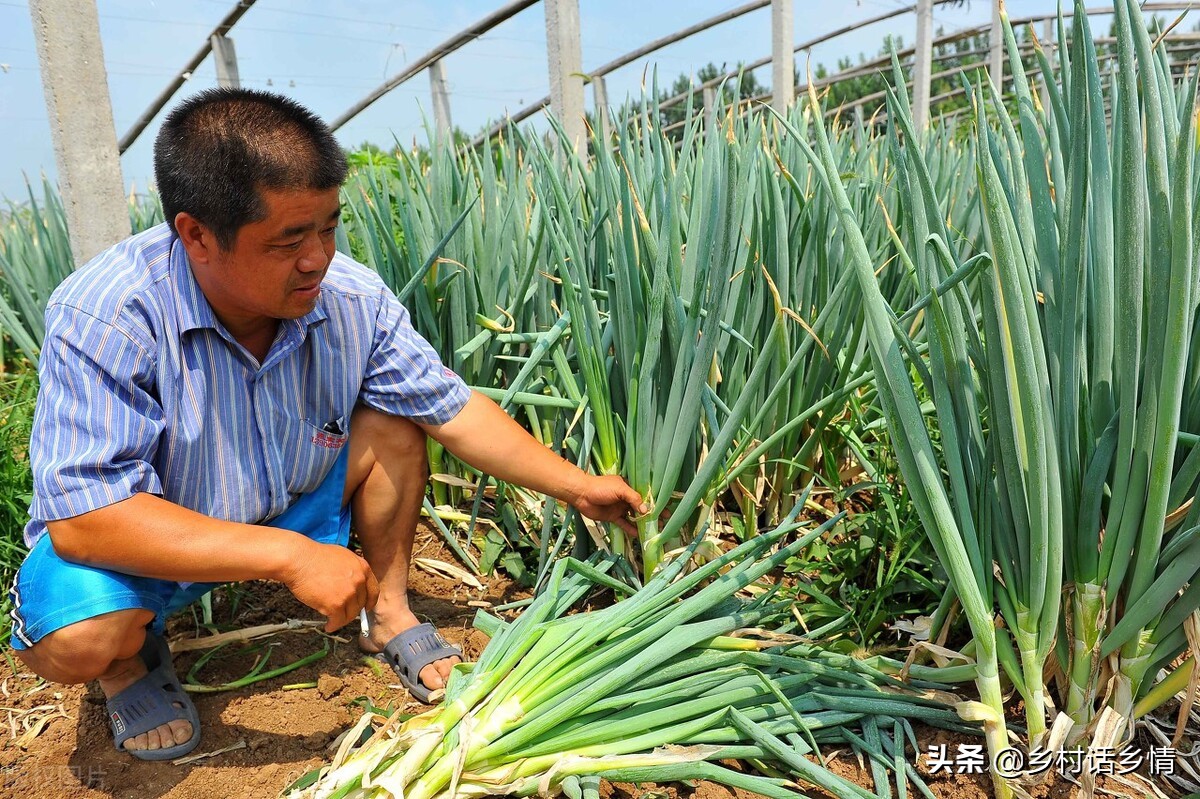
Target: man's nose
[313, 257]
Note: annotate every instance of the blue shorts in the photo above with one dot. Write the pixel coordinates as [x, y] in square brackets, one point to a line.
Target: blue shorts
[50, 593]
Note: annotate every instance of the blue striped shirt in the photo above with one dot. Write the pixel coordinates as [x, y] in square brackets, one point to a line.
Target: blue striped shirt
[143, 389]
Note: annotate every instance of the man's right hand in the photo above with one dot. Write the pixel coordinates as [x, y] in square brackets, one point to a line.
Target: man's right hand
[140, 536]
[333, 581]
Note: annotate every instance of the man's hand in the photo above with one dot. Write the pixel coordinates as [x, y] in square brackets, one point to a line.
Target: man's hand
[486, 437]
[140, 536]
[609, 499]
[333, 581]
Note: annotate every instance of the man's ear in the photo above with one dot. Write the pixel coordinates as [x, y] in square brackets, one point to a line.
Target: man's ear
[200, 242]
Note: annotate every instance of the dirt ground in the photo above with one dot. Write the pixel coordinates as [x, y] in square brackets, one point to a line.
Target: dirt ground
[276, 731]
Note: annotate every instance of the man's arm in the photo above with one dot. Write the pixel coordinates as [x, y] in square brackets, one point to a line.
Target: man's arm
[148, 536]
[95, 432]
[406, 378]
[485, 437]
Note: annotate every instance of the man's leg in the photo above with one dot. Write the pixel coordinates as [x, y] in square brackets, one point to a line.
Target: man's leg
[385, 483]
[55, 639]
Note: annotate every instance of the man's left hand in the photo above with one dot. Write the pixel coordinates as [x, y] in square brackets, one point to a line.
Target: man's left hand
[486, 437]
[608, 498]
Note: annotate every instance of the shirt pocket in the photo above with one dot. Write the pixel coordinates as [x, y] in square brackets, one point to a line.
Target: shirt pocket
[310, 451]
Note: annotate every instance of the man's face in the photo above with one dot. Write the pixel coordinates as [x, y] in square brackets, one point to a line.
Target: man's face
[275, 266]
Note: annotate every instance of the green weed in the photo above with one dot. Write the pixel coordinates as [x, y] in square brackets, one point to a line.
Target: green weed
[17, 393]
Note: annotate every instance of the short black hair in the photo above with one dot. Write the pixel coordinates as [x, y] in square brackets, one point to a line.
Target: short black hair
[218, 149]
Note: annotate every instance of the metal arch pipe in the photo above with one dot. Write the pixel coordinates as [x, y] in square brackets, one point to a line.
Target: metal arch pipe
[445, 48]
[683, 33]
[762, 62]
[869, 66]
[1105, 78]
[1186, 40]
[143, 121]
[629, 58]
[532, 109]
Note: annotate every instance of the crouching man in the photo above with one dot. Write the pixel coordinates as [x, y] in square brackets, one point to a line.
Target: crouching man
[221, 397]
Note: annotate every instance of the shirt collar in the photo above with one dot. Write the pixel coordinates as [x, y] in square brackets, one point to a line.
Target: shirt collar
[195, 313]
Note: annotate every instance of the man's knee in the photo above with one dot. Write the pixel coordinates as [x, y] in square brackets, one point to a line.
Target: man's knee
[85, 650]
[383, 443]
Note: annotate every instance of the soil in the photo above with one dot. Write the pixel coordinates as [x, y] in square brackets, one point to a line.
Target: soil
[282, 731]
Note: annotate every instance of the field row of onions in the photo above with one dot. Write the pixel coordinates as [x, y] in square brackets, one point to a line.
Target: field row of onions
[1010, 305]
[791, 333]
[684, 318]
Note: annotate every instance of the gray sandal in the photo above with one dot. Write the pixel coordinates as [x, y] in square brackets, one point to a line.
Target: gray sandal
[413, 650]
[153, 700]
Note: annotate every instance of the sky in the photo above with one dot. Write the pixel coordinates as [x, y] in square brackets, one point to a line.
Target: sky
[328, 55]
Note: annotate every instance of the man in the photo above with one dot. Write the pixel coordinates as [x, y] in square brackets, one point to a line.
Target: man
[220, 396]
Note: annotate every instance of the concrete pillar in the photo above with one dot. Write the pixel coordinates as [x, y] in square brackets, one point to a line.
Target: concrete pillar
[600, 101]
[226, 61]
[710, 107]
[565, 62]
[1049, 45]
[923, 63]
[996, 47]
[442, 123]
[75, 84]
[783, 64]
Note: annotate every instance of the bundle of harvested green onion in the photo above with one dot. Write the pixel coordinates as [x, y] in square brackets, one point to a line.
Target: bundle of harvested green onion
[655, 687]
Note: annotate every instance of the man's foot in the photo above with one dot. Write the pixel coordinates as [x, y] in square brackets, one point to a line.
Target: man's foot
[385, 628]
[122, 676]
